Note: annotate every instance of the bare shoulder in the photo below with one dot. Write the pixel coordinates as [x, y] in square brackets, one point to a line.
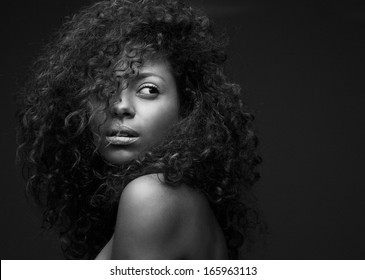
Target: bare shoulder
[150, 191]
[158, 221]
[151, 220]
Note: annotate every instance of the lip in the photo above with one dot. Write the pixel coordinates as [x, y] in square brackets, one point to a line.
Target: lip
[121, 131]
[121, 135]
[121, 140]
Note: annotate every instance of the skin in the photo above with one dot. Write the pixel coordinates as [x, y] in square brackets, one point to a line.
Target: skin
[149, 106]
[156, 221]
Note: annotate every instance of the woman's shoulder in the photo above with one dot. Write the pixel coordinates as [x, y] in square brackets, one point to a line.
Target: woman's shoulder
[147, 187]
[151, 191]
[149, 197]
[156, 220]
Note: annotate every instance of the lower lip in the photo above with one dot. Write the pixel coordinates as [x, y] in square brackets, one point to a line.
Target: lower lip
[121, 140]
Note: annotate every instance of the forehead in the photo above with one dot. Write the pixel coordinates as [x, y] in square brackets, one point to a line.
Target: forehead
[156, 66]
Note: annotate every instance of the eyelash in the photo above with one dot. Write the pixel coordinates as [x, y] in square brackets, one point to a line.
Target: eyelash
[148, 86]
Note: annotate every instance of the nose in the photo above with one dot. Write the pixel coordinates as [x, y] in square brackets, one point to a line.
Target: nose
[122, 106]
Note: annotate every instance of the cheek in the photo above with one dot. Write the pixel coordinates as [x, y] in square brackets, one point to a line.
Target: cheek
[158, 121]
[97, 123]
[97, 114]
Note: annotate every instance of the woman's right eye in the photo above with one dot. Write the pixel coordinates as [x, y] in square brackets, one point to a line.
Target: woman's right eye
[148, 90]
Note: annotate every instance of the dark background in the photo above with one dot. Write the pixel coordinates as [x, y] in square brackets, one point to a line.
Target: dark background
[301, 66]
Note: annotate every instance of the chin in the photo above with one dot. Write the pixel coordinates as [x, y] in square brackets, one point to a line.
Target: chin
[118, 157]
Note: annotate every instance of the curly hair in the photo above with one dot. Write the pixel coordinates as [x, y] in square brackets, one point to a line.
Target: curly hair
[212, 148]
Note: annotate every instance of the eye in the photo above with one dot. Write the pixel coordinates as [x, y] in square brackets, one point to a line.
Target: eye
[148, 90]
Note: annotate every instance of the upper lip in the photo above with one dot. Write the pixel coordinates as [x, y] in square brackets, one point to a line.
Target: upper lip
[121, 130]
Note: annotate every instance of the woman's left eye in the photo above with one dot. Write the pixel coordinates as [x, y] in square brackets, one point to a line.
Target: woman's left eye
[148, 90]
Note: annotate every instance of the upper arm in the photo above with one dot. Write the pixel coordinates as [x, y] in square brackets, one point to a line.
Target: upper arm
[149, 222]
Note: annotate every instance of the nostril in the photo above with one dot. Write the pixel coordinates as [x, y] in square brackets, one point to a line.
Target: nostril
[122, 108]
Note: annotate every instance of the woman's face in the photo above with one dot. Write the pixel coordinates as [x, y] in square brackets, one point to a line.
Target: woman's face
[138, 116]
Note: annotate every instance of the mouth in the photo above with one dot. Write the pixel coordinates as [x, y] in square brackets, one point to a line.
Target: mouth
[122, 135]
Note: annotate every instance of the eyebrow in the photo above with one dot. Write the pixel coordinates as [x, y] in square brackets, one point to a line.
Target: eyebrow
[143, 75]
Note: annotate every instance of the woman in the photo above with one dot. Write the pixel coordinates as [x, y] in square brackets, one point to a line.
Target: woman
[134, 142]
